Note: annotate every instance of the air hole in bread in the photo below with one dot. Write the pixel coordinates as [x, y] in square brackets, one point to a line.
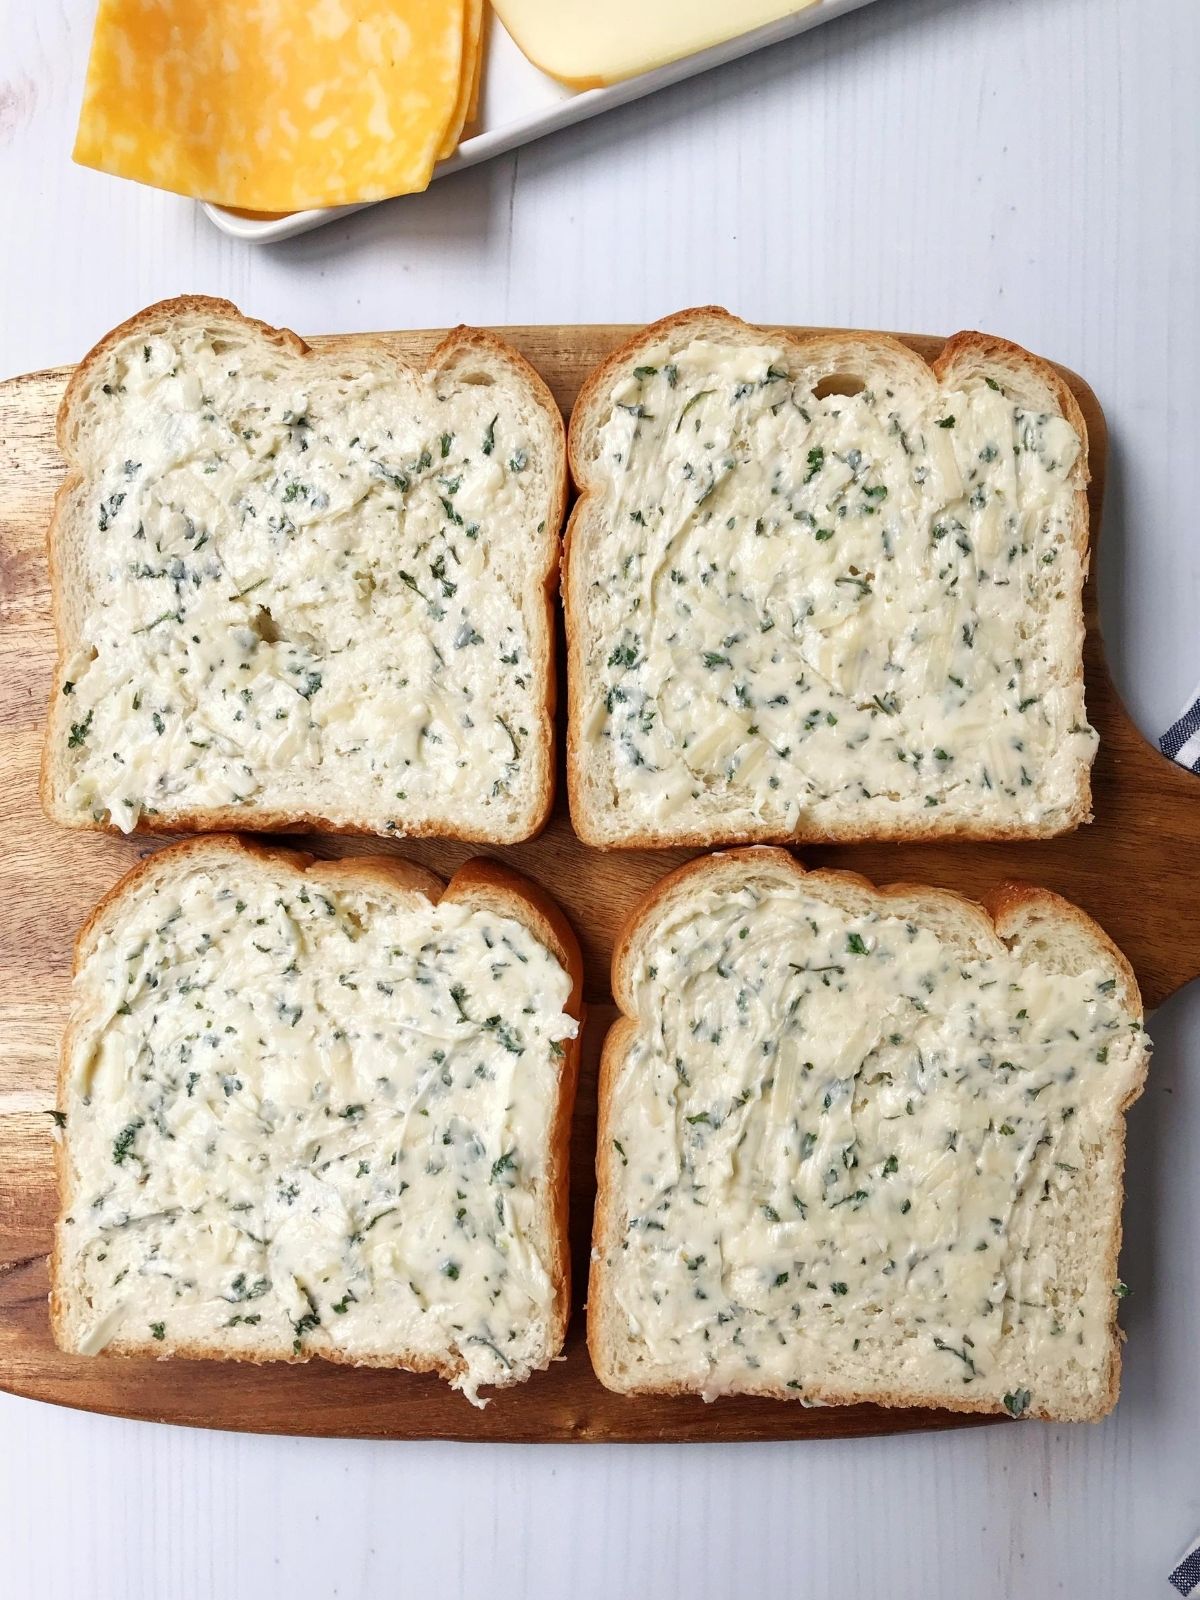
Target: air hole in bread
[838, 383]
[481, 380]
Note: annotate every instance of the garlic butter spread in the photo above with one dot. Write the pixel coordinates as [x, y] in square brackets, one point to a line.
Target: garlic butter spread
[314, 1120]
[846, 1159]
[850, 612]
[309, 590]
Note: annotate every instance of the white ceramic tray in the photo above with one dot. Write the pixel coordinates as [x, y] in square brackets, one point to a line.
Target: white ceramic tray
[519, 104]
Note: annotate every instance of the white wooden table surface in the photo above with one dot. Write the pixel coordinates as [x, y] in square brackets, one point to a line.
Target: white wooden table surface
[1026, 166]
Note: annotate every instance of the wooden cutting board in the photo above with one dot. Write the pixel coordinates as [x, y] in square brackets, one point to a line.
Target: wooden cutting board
[1134, 869]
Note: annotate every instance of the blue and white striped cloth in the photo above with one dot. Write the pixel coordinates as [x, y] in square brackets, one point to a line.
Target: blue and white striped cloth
[1182, 739]
[1186, 1576]
[1182, 743]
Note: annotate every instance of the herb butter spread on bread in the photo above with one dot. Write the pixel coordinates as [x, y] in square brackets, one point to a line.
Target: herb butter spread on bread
[817, 589]
[861, 1144]
[319, 1111]
[299, 587]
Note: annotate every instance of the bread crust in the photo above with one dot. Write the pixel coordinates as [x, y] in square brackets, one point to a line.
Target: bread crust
[999, 918]
[458, 343]
[479, 881]
[964, 354]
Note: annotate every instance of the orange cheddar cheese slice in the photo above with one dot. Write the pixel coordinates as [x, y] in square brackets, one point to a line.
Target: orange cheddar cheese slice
[468, 75]
[477, 73]
[273, 105]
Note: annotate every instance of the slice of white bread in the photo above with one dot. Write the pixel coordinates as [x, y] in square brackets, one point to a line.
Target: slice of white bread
[862, 1144]
[818, 589]
[303, 589]
[319, 1109]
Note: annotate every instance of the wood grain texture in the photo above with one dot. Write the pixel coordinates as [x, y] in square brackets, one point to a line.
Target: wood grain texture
[1147, 826]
